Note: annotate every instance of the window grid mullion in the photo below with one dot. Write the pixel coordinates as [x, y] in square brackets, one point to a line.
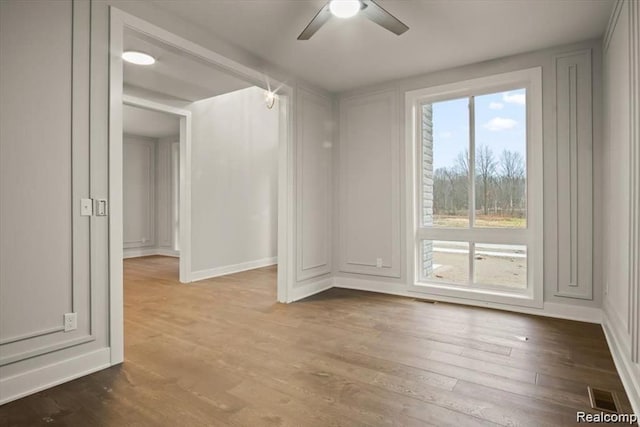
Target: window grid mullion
[472, 182]
[472, 255]
[472, 162]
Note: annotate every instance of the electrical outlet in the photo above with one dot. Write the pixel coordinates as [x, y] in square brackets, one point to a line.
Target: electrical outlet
[379, 262]
[70, 322]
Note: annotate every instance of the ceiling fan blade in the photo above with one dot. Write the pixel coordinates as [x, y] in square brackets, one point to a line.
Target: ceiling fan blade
[377, 14]
[318, 21]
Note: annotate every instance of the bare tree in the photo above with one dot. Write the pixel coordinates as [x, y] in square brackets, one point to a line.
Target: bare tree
[500, 183]
[512, 172]
[486, 166]
[462, 163]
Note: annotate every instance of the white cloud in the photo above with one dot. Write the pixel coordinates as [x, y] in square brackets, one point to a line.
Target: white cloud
[496, 105]
[516, 98]
[446, 134]
[500, 123]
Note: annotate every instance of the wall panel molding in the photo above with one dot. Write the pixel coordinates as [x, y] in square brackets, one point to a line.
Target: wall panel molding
[622, 145]
[314, 185]
[164, 194]
[49, 336]
[48, 376]
[574, 137]
[370, 182]
[634, 168]
[139, 162]
[613, 22]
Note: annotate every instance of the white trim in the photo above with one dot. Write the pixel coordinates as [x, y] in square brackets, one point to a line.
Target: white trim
[611, 26]
[627, 370]
[184, 233]
[304, 291]
[286, 197]
[146, 236]
[322, 268]
[572, 312]
[120, 20]
[227, 65]
[167, 252]
[26, 383]
[141, 252]
[634, 169]
[549, 309]
[531, 79]
[393, 265]
[573, 132]
[234, 268]
[116, 227]
[621, 331]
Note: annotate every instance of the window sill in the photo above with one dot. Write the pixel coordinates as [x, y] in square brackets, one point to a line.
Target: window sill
[488, 296]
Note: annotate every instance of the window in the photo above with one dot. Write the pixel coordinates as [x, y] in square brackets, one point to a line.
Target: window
[477, 153]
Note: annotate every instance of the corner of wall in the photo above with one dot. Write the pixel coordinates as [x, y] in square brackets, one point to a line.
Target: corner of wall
[621, 175]
[627, 369]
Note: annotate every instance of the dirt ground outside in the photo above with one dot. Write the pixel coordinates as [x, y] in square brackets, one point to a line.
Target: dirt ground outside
[494, 265]
[488, 221]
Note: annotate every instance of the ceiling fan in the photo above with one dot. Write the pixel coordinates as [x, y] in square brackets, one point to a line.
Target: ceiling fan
[349, 8]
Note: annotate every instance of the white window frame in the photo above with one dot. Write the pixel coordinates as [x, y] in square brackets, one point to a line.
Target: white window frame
[532, 236]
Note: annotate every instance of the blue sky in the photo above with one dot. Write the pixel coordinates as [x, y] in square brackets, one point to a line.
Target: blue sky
[500, 124]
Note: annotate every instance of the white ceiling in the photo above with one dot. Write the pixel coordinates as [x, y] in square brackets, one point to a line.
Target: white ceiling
[175, 73]
[152, 124]
[345, 54]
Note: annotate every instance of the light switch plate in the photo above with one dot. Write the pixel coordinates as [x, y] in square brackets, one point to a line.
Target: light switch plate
[86, 207]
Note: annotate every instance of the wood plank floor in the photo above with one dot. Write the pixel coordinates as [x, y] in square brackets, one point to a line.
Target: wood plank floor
[223, 352]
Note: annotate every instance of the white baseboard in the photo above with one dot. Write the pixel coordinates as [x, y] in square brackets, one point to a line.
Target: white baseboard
[167, 252]
[562, 311]
[629, 374]
[308, 289]
[140, 252]
[571, 312]
[230, 269]
[24, 384]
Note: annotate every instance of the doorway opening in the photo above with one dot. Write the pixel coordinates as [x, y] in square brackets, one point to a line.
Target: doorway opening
[234, 164]
[154, 135]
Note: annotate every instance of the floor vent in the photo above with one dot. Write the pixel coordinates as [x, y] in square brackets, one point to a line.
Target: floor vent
[603, 400]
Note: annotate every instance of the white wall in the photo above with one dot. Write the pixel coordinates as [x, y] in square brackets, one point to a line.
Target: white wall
[234, 183]
[621, 205]
[371, 171]
[37, 32]
[45, 264]
[314, 134]
[167, 195]
[370, 184]
[139, 185]
[150, 196]
[315, 130]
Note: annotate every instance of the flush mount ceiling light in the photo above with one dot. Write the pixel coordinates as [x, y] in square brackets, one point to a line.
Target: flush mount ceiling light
[138, 58]
[348, 8]
[344, 8]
